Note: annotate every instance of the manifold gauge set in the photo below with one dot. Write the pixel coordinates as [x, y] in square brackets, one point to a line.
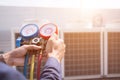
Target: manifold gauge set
[35, 35]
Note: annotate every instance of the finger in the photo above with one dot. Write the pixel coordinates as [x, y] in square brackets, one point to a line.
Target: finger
[32, 47]
[54, 36]
[18, 61]
[29, 60]
[61, 40]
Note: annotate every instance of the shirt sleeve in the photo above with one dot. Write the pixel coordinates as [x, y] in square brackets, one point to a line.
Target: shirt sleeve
[52, 70]
[8, 73]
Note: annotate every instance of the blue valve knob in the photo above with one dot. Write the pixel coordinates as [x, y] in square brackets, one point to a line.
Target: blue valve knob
[18, 41]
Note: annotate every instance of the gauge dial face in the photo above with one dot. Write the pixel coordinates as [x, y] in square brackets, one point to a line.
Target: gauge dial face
[47, 30]
[29, 30]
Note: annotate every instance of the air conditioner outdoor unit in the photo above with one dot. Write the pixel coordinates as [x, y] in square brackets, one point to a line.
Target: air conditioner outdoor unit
[112, 52]
[84, 53]
[90, 52]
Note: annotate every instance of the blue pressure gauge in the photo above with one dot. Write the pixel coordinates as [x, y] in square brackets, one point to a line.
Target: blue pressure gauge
[29, 31]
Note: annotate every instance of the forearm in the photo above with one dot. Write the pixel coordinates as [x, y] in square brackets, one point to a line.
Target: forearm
[52, 70]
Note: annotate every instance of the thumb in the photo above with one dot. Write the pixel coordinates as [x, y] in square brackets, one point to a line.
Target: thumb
[54, 36]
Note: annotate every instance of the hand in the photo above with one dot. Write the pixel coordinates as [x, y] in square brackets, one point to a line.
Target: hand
[55, 47]
[16, 56]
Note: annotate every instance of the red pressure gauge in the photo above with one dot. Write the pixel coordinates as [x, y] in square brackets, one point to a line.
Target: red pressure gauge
[47, 30]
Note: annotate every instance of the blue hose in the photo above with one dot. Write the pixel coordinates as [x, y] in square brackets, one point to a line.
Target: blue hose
[25, 66]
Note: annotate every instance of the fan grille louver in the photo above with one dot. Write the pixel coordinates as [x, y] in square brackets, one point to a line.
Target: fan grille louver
[113, 52]
[82, 55]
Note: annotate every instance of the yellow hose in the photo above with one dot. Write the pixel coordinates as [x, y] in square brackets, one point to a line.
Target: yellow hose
[32, 67]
